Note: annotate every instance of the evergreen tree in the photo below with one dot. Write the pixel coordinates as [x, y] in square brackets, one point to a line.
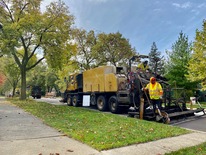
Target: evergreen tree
[177, 64]
[155, 60]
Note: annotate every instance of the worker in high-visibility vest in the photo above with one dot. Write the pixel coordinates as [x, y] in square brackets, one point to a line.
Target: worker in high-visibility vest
[143, 66]
[155, 93]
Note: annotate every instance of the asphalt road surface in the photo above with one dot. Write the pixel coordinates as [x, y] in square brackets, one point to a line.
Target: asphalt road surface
[196, 123]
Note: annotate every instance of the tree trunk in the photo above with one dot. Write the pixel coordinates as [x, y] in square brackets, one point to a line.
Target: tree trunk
[23, 84]
[13, 91]
[14, 87]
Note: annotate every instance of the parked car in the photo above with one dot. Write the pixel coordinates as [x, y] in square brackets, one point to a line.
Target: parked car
[36, 92]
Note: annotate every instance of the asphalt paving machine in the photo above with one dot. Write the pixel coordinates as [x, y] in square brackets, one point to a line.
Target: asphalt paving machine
[172, 107]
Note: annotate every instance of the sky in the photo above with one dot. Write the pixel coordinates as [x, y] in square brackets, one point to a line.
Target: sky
[142, 22]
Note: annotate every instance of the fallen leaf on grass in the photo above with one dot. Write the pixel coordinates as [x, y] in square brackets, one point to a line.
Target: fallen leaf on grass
[199, 149]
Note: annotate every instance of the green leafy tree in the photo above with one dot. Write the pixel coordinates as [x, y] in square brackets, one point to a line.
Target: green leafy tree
[46, 33]
[63, 74]
[37, 77]
[177, 64]
[156, 61]
[43, 77]
[5, 88]
[12, 73]
[113, 48]
[86, 56]
[197, 63]
[51, 78]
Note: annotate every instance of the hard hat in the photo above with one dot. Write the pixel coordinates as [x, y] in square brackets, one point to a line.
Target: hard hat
[152, 79]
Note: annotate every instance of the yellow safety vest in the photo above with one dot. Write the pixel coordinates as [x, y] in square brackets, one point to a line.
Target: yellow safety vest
[155, 91]
[142, 67]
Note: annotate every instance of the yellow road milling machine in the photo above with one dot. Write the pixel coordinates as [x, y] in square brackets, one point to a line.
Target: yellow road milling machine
[106, 87]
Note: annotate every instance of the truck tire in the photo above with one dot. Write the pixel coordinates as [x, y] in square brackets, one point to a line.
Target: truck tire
[75, 101]
[101, 103]
[113, 104]
[69, 100]
[38, 97]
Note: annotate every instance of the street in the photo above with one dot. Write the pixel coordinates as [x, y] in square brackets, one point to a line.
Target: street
[198, 123]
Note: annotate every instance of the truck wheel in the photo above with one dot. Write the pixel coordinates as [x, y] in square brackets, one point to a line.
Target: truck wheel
[113, 104]
[74, 101]
[38, 97]
[69, 101]
[101, 103]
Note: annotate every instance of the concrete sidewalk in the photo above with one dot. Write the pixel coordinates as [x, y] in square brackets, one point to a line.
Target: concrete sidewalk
[24, 134]
[160, 147]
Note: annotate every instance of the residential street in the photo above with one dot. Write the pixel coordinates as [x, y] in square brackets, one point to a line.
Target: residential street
[194, 124]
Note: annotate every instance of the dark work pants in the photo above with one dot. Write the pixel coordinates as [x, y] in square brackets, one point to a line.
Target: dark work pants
[154, 103]
[135, 97]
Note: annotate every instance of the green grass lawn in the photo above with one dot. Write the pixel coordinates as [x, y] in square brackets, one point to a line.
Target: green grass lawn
[195, 150]
[99, 130]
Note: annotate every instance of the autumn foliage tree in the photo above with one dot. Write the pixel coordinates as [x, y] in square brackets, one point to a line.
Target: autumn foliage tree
[2, 79]
[197, 63]
[26, 27]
